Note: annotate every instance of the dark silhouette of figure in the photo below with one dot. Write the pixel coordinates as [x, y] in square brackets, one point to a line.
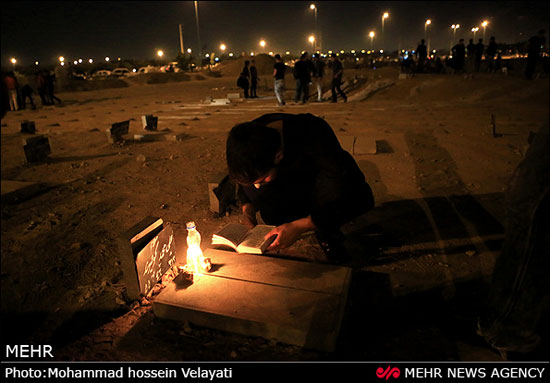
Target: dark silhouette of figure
[459, 53]
[10, 80]
[422, 54]
[471, 52]
[253, 79]
[498, 63]
[534, 47]
[514, 319]
[279, 80]
[26, 92]
[490, 53]
[42, 88]
[318, 74]
[302, 74]
[243, 81]
[337, 74]
[479, 54]
[50, 86]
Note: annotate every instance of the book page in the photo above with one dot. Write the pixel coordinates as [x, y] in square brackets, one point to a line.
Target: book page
[230, 235]
[254, 242]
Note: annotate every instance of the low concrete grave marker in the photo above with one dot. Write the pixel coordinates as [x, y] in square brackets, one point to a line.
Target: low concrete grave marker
[37, 149]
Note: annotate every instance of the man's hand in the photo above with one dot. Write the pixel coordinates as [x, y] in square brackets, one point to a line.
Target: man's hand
[249, 215]
[288, 233]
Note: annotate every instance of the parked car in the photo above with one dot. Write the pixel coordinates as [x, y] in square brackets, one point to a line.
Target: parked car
[102, 74]
[147, 69]
[171, 67]
[121, 72]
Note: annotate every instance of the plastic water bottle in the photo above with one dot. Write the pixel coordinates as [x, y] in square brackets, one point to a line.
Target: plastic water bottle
[193, 236]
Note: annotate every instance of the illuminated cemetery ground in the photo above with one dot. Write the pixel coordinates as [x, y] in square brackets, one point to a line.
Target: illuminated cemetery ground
[425, 145]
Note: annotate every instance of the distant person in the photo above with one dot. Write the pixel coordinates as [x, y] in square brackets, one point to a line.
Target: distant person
[253, 79]
[439, 65]
[478, 54]
[12, 86]
[534, 48]
[459, 53]
[498, 63]
[471, 52]
[302, 74]
[244, 79]
[42, 87]
[318, 74]
[490, 53]
[279, 80]
[26, 92]
[422, 54]
[50, 86]
[337, 74]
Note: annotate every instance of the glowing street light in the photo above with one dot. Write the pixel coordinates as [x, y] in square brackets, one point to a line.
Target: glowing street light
[222, 47]
[13, 61]
[262, 44]
[61, 59]
[384, 17]
[107, 59]
[160, 53]
[371, 35]
[189, 50]
[474, 30]
[311, 39]
[484, 25]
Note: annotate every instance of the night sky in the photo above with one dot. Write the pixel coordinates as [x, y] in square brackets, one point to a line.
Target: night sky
[44, 31]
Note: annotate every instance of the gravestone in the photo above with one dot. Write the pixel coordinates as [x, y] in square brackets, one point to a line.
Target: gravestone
[294, 302]
[37, 149]
[28, 127]
[117, 130]
[149, 122]
[346, 142]
[147, 251]
[222, 193]
[364, 145]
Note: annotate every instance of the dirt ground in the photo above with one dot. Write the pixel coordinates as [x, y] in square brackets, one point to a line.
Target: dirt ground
[421, 260]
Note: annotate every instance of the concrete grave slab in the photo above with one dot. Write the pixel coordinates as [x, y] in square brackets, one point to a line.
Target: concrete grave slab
[149, 122]
[347, 143]
[28, 127]
[146, 251]
[222, 192]
[364, 145]
[293, 302]
[117, 130]
[36, 148]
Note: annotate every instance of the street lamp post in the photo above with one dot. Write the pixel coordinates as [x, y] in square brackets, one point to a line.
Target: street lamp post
[198, 32]
[428, 22]
[484, 25]
[474, 30]
[454, 27]
[312, 41]
[263, 44]
[371, 35]
[313, 7]
[384, 17]
[13, 61]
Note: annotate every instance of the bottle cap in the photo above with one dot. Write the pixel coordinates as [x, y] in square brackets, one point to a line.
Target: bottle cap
[190, 225]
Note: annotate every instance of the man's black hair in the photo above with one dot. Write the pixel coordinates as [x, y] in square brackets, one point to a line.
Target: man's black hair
[278, 56]
[250, 151]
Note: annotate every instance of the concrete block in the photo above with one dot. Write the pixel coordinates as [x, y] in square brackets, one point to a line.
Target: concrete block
[364, 145]
[37, 148]
[220, 101]
[222, 192]
[293, 302]
[130, 244]
[149, 122]
[117, 130]
[28, 127]
[347, 143]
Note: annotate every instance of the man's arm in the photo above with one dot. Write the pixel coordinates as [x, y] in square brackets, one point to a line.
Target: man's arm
[288, 233]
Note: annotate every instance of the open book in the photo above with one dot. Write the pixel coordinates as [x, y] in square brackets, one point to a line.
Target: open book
[243, 239]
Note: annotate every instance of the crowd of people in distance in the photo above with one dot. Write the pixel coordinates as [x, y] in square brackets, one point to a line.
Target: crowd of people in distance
[19, 92]
[467, 59]
[306, 72]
